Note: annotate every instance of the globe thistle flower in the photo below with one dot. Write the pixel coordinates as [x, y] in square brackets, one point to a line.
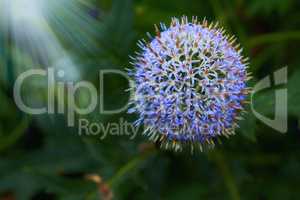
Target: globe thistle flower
[189, 84]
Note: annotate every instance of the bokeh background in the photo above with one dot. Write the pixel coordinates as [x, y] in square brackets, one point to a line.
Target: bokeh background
[42, 158]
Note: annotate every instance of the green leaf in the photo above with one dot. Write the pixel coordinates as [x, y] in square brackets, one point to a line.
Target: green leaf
[266, 7]
[248, 126]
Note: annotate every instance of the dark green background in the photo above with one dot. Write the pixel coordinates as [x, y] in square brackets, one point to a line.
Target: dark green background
[40, 158]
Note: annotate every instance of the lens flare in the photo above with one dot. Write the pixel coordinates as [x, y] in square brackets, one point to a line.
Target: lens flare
[39, 29]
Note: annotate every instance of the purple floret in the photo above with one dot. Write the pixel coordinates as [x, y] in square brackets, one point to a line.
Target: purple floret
[190, 84]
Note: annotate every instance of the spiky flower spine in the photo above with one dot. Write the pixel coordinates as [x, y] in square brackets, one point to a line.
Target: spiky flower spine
[189, 84]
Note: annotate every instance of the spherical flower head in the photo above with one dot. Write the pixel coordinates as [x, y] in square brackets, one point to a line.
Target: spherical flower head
[189, 84]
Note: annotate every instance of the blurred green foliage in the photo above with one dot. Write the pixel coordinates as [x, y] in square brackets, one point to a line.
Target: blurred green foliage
[41, 158]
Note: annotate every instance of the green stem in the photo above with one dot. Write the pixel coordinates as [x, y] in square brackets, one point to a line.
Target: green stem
[131, 165]
[220, 161]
